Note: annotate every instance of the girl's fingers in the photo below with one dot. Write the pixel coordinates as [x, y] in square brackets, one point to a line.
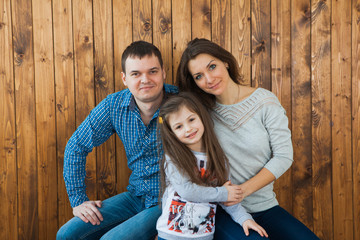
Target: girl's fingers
[246, 230]
[261, 231]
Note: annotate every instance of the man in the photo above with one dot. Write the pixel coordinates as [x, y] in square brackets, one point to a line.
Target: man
[132, 114]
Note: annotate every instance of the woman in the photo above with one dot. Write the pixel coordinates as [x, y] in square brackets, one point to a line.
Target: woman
[252, 128]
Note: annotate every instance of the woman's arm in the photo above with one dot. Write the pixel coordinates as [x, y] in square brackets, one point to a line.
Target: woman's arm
[276, 124]
[260, 180]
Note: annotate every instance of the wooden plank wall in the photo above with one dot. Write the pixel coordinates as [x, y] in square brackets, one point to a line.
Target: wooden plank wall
[58, 59]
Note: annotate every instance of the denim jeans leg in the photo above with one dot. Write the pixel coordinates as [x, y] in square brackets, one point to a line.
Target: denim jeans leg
[281, 225]
[141, 226]
[114, 210]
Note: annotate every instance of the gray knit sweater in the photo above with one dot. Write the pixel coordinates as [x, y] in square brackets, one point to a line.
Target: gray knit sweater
[254, 134]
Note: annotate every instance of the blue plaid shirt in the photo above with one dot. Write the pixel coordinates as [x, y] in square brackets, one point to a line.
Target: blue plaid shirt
[117, 113]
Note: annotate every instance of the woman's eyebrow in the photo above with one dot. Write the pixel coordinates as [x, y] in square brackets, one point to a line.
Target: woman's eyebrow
[206, 66]
[210, 63]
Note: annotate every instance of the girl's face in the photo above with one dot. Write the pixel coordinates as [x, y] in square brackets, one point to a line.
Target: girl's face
[188, 128]
[209, 73]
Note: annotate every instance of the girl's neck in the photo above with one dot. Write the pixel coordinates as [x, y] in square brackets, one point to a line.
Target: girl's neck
[197, 148]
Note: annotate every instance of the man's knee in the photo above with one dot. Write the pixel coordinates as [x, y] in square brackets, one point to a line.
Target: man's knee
[69, 231]
[63, 234]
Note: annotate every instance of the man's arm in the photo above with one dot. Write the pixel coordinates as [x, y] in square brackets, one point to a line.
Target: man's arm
[92, 132]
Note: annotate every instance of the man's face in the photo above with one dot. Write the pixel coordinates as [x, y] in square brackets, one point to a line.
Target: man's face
[145, 78]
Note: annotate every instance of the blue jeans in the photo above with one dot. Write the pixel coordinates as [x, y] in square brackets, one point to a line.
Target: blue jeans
[277, 222]
[125, 217]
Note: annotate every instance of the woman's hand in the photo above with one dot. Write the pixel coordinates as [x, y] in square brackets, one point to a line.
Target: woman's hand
[251, 224]
[234, 193]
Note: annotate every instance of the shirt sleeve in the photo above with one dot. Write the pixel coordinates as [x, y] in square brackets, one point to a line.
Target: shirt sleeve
[276, 124]
[92, 132]
[191, 191]
[237, 213]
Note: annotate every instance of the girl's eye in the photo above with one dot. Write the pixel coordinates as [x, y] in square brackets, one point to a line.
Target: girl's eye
[178, 127]
[192, 119]
[212, 66]
[197, 77]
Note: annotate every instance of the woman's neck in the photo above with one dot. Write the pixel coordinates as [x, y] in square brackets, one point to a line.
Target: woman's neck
[230, 95]
[234, 93]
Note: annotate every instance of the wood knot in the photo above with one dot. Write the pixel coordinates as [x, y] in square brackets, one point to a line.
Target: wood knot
[19, 59]
[147, 25]
[100, 78]
[86, 39]
[164, 25]
[316, 118]
[59, 107]
[260, 48]
[207, 14]
[2, 25]
[67, 56]
[357, 7]
[42, 59]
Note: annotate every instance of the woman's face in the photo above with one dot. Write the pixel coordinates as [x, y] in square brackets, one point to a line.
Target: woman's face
[209, 73]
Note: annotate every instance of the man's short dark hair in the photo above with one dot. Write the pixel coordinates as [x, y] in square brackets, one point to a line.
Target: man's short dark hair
[140, 49]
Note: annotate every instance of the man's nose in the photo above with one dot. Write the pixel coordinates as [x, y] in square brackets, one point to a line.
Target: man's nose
[144, 78]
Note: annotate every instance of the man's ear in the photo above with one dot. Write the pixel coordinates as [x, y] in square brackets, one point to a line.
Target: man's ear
[123, 78]
[164, 75]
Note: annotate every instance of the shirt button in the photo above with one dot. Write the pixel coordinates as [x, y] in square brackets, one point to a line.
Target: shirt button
[145, 181]
[147, 167]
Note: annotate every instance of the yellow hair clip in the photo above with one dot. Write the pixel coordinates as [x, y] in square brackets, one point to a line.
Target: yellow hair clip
[160, 120]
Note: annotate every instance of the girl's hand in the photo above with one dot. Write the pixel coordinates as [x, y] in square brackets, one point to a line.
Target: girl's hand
[234, 193]
[251, 224]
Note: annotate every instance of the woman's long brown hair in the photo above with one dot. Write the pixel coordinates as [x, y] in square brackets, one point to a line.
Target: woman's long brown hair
[182, 157]
[184, 79]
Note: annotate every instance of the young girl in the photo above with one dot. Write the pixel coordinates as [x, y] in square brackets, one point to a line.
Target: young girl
[194, 172]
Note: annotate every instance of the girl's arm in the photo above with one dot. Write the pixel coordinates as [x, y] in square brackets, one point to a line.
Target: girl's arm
[240, 216]
[191, 191]
[237, 213]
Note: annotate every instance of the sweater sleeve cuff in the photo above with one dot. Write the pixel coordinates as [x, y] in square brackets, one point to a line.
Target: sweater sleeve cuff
[223, 194]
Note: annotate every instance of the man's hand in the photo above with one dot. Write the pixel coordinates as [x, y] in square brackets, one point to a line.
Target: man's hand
[88, 212]
[234, 193]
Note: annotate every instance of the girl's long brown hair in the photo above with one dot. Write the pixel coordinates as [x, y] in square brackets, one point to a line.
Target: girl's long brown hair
[181, 155]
